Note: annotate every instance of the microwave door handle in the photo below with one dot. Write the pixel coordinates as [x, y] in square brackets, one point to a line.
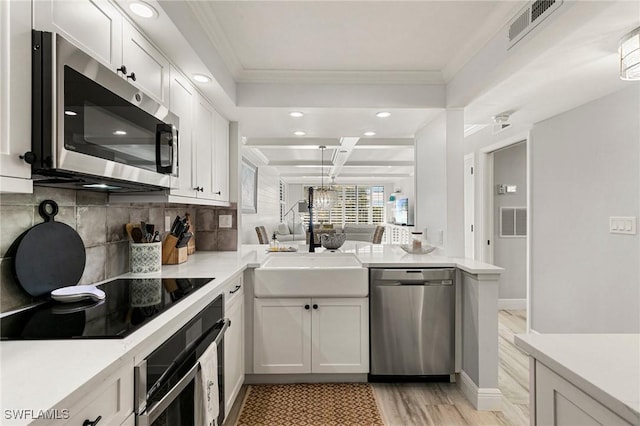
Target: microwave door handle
[150, 415]
[174, 151]
[161, 129]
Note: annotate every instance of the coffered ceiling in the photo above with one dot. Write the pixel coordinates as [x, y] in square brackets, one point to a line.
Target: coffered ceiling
[341, 62]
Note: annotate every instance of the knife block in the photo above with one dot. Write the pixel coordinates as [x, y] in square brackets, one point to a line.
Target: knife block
[191, 244]
[172, 255]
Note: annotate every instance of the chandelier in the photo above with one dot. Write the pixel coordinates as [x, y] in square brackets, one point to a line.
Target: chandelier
[323, 198]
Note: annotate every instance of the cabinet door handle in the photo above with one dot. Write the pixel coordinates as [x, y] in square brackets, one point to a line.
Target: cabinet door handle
[132, 76]
[306, 307]
[28, 157]
[218, 193]
[234, 290]
[122, 69]
[92, 423]
[315, 306]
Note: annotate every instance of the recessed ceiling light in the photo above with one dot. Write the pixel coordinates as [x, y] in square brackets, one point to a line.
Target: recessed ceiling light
[201, 78]
[119, 133]
[70, 113]
[296, 114]
[299, 133]
[369, 133]
[143, 9]
[383, 114]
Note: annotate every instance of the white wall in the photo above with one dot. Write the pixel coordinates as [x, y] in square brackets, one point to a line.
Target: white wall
[268, 206]
[439, 170]
[585, 168]
[431, 180]
[510, 167]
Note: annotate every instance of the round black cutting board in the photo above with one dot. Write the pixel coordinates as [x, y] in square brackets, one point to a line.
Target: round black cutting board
[49, 255]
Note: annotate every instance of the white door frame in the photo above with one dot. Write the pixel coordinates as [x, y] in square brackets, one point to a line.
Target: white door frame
[469, 206]
[486, 199]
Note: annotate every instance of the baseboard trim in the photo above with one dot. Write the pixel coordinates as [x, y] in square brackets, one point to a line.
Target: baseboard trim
[516, 304]
[482, 399]
[260, 379]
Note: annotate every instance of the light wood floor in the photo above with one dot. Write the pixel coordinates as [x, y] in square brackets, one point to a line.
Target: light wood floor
[443, 404]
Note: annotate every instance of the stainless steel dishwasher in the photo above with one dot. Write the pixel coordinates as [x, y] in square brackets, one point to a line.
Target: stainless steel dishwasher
[412, 322]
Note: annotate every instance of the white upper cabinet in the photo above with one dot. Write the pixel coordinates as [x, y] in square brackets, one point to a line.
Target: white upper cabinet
[98, 28]
[211, 144]
[146, 67]
[221, 159]
[15, 101]
[183, 99]
[93, 25]
[204, 141]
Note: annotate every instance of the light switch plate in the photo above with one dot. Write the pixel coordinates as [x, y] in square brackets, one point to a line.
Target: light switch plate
[224, 221]
[167, 223]
[622, 225]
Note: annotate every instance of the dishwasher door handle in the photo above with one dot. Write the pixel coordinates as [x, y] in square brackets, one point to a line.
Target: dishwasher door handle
[423, 283]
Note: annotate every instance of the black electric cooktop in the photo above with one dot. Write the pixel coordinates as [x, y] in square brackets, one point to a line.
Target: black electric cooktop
[129, 304]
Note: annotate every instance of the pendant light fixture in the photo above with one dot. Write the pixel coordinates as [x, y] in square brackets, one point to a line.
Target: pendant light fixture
[323, 198]
[629, 49]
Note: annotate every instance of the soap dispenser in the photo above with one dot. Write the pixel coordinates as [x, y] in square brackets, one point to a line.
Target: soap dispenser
[274, 243]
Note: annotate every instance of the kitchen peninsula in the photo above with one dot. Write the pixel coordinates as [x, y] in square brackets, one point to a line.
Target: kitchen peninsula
[83, 371]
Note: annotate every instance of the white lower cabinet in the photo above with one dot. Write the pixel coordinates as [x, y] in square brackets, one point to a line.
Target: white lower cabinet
[110, 399]
[234, 345]
[297, 336]
[340, 336]
[560, 403]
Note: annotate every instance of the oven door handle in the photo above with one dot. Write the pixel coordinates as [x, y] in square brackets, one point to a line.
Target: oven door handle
[152, 413]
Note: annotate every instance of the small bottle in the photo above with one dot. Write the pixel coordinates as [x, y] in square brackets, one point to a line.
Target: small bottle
[416, 241]
[274, 243]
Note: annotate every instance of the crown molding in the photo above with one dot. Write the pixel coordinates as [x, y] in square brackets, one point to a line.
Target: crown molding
[340, 77]
[210, 25]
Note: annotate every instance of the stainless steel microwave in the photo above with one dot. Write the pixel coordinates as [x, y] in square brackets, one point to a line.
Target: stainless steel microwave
[92, 129]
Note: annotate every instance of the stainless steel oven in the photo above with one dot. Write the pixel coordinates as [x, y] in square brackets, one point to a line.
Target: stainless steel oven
[92, 128]
[165, 381]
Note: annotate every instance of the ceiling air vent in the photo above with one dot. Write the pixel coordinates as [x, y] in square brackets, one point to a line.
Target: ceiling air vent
[528, 18]
[497, 128]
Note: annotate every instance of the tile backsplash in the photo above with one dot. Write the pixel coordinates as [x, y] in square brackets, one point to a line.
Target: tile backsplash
[101, 227]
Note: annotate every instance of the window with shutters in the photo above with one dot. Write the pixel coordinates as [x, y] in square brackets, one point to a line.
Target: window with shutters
[283, 199]
[354, 204]
[513, 222]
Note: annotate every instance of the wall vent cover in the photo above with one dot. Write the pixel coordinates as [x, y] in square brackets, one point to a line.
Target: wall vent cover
[528, 18]
[513, 222]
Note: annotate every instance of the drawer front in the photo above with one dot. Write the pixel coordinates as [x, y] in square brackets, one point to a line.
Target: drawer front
[112, 400]
[233, 290]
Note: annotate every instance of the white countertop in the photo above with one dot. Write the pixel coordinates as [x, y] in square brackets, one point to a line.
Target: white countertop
[382, 255]
[39, 374]
[605, 366]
